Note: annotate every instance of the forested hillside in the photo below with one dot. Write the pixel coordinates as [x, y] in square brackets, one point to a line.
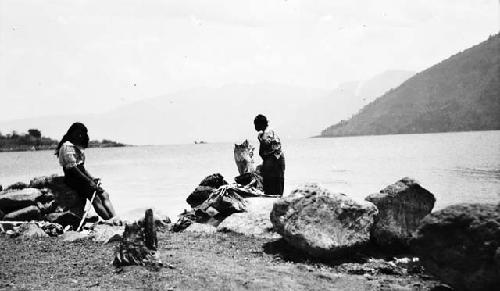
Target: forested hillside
[459, 94]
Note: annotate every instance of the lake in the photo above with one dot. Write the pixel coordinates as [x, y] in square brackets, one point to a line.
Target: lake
[455, 167]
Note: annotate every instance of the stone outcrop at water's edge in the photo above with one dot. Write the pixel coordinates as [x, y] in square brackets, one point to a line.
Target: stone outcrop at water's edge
[401, 207]
[460, 244]
[322, 223]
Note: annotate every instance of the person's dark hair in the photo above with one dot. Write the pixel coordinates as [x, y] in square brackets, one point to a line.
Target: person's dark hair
[260, 122]
[70, 136]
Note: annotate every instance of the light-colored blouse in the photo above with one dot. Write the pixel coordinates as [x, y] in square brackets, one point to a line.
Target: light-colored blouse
[70, 155]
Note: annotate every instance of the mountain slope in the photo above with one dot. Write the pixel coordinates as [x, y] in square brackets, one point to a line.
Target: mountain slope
[461, 93]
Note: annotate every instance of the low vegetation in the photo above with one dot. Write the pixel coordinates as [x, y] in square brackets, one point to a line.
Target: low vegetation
[34, 141]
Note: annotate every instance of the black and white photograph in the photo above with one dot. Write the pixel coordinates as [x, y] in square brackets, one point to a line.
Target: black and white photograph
[250, 145]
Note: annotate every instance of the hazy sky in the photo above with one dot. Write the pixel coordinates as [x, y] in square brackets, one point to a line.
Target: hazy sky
[59, 57]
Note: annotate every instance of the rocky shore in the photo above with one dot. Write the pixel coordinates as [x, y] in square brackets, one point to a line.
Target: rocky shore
[235, 237]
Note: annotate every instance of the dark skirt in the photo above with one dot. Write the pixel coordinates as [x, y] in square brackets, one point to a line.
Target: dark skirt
[78, 184]
[273, 175]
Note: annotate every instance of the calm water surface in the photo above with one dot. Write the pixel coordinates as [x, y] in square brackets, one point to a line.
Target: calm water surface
[456, 167]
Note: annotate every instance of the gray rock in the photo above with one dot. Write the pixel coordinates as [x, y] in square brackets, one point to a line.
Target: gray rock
[215, 181]
[401, 206]
[254, 222]
[71, 236]
[199, 195]
[25, 214]
[65, 197]
[32, 231]
[12, 200]
[17, 186]
[460, 245]
[105, 233]
[63, 218]
[252, 180]
[52, 229]
[201, 228]
[322, 223]
[224, 200]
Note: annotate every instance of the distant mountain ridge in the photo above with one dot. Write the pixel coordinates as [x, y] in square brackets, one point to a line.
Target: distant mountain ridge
[222, 114]
[460, 93]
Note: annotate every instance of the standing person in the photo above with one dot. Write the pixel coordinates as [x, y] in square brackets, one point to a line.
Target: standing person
[273, 166]
[70, 152]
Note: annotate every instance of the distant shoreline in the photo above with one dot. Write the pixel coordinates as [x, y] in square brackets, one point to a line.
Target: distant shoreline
[27, 148]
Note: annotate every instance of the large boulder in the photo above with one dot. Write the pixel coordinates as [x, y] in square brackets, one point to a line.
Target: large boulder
[401, 207]
[254, 222]
[460, 244]
[322, 223]
[12, 200]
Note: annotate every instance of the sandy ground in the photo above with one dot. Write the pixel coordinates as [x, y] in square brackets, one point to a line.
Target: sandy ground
[193, 261]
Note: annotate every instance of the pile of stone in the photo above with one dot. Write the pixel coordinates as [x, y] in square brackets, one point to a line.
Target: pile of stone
[47, 207]
[214, 199]
[459, 244]
[325, 224]
[43, 199]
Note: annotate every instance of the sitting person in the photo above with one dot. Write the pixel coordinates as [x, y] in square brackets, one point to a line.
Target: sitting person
[72, 159]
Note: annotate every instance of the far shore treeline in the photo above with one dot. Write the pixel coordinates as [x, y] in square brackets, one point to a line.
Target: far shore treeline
[34, 141]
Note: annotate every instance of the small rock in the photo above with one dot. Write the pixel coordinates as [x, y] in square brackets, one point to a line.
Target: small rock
[254, 222]
[31, 231]
[105, 233]
[201, 228]
[71, 236]
[116, 237]
[12, 233]
[53, 229]
[215, 181]
[160, 220]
